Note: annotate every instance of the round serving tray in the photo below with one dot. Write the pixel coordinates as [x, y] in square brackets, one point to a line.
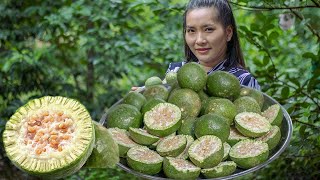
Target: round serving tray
[286, 133]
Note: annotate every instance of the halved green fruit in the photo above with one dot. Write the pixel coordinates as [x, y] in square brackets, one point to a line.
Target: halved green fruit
[180, 169]
[163, 119]
[274, 114]
[51, 137]
[121, 136]
[105, 153]
[272, 138]
[226, 150]
[249, 153]
[154, 145]
[172, 146]
[252, 124]
[235, 136]
[144, 160]
[184, 154]
[156, 91]
[142, 137]
[206, 151]
[134, 98]
[223, 169]
[247, 104]
[124, 116]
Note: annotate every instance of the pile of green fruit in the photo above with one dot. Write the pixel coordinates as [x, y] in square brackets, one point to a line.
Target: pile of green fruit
[53, 137]
[194, 125]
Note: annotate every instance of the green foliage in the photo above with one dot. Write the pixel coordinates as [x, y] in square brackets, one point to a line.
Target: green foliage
[95, 51]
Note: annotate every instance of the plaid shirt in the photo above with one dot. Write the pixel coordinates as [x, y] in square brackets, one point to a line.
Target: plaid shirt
[243, 75]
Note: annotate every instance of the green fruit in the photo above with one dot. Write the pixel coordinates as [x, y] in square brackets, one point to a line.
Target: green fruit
[122, 138]
[105, 153]
[141, 136]
[163, 119]
[192, 76]
[272, 138]
[235, 136]
[144, 160]
[134, 98]
[187, 126]
[150, 104]
[187, 100]
[184, 154]
[171, 78]
[202, 95]
[273, 114]
[156, 91]
[124, 116]
[249, 153]
[212, 124]
[223, 84]
[255, 94]
[180, 169]
[204, 104]
[223, 169]
[172, 146]
[154, 145]
[223, 107]
[247, 104]
[226, 148]
[50, 137]
[154, 80]
[252, 124]
[206, 151]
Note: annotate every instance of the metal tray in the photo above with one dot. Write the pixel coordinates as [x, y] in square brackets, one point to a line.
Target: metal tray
[286, 133]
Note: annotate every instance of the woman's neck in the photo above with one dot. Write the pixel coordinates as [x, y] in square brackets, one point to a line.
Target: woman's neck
[208, 66]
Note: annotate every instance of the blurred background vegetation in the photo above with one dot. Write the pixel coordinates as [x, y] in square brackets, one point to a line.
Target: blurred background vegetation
[94, 51]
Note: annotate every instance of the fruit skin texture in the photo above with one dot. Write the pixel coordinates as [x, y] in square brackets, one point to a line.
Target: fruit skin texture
[192, 76]
[223, 169]
[105, 153]
[212, 124]
[124, 116]
[212, 160]
[169, 152]
[156, 91]
[171, 172]
[123, 146]
[187, 126]
[223, 84]
[224, 107]
[134, 98]
[255, 94]
[12, 127]
[249, 161]
[144, 167]
[150, 104]
[187, 100]
[154, 80]
[140, 138]
[247, 104]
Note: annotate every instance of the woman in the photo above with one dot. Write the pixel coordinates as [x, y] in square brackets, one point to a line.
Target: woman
[211, 39]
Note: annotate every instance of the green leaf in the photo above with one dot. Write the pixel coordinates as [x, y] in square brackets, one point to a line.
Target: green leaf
[310, 55]
[285, 92]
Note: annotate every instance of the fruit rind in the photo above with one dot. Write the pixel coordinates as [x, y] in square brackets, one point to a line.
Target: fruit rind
[171, 169]
[272, 138]
[172, 146]
[141, 136]
[121, 136]
[225, 168]
[274, 114]
[249, 153]
[251, 124]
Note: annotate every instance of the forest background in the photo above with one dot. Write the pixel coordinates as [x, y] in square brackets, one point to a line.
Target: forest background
[94, 51]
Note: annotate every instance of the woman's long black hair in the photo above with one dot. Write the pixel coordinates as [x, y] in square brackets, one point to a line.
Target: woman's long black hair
[225, 16]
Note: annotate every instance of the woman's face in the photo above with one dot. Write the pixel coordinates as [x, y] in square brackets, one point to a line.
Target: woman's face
[206, 36]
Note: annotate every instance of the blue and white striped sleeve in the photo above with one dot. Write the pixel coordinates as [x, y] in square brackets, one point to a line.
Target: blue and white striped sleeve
[247, 79]
[174, 66]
